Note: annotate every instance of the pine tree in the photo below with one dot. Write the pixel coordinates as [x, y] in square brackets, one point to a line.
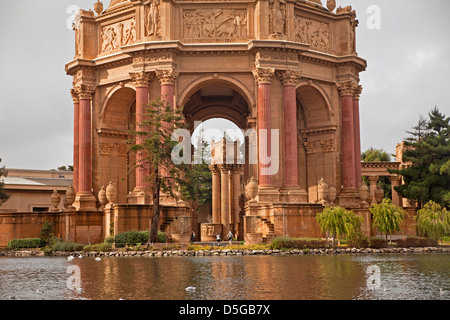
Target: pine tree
[428, 176]
[157, 145]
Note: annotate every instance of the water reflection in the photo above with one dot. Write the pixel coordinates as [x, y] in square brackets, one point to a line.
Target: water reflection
[223, 278]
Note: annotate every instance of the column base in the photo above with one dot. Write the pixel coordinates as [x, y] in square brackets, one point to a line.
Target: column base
[349, 199]
[139, 196]
[268, 194]
[167, 199]
[85, 201]
[293, 194]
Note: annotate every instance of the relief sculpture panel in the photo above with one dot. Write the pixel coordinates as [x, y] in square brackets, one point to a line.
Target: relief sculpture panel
[119, 34]
[315, 33]
[214, 24]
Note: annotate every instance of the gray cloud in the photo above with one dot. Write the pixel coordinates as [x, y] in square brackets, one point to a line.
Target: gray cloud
[407, 75]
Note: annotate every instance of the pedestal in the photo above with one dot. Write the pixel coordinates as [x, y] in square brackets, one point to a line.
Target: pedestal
[139, 196]
[268, 194]
[85, 201]
[293, 195]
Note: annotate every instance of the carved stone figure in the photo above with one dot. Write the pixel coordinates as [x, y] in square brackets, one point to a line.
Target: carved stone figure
[315, 33]
[153, 19]
[277, 16]
[117, 35]
[214, 24]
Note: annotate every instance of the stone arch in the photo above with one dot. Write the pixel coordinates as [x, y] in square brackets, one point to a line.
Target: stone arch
[314, 104]
[318, 140]
[210, 97]
[117, 106]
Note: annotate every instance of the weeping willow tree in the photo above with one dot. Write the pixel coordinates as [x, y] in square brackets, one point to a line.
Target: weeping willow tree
[339, 223]
[433, 221]
[387, 217]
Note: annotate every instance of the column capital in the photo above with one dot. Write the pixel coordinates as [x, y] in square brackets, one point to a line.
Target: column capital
[347, 88]
[264, 75]
[141, 79]
[357, 92]
[85, 91]
[289, 77]
[167, 76]
[74, 94]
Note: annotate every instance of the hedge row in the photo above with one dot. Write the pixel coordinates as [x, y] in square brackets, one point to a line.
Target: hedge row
[26, 243]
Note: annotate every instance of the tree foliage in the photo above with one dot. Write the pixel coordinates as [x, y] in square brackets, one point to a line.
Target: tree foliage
[433, 221]
[153, 140]
[387, 217]
[374, 155]
[3, 195]
[428, 152]
[338, 223]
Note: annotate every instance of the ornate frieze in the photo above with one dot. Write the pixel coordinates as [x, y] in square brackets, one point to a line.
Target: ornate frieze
[264, 75]
[315, 33]
[154, 58]
[119, 34]
[274, 58]
[214, 23]
[107, 148]
[318, 146]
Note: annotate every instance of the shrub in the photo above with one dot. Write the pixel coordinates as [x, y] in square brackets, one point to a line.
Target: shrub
[416, 242]
[131, 238]
[377, 243]
[162, 237]
[26, 243]
[67, 246]
[101, 247]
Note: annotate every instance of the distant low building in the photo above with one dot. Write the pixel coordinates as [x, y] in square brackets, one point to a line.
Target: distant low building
[31, 190]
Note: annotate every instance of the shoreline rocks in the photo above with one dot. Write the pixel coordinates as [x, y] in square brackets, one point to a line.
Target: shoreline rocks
[228, 252]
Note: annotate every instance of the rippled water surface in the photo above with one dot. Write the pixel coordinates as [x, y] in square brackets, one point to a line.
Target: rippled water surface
[343, 277]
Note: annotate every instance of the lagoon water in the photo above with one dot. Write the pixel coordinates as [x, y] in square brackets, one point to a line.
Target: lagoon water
[306, 277]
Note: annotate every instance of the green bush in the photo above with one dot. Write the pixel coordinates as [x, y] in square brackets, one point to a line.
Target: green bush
[67, 246]
[101, 247]
[131, 238]
[25, 243]
[162, 237]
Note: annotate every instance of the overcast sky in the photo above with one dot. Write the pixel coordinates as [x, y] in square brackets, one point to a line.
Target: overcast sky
[408, 74]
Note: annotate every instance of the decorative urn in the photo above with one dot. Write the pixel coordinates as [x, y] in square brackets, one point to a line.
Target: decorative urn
[56, 199]
[322, 191]
[331, 5]
[251, 189]
[332, 194]
[98, 7]
[364, 192]
[111, 192]
[70, 195]
[102, 196]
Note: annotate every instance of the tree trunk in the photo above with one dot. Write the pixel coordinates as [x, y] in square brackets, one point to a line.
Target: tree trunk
[155, 218]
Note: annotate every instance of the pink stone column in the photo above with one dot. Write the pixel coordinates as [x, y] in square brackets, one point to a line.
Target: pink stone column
[357, 134]
[348, 136]
[141, 81]
[76, 139]
[290, 137]
[167, 79]
[85, 144]
[264, 78]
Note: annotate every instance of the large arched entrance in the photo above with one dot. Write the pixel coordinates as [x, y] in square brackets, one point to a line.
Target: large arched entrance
[222, 105]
